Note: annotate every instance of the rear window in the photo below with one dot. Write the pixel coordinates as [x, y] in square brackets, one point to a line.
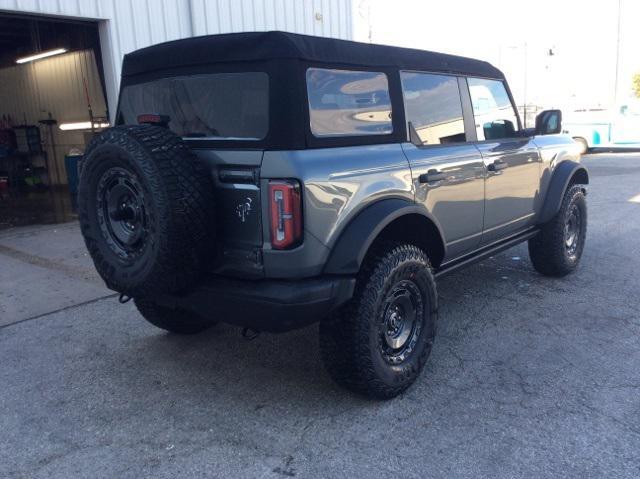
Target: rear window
[348, 103]
[220, 106]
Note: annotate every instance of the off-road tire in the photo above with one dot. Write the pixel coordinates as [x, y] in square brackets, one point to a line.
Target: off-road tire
[548, 250]
[177, 321]
[351, 339]
[174, 209]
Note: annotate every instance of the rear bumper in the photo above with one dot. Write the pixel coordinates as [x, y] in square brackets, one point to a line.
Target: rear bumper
[265, 305]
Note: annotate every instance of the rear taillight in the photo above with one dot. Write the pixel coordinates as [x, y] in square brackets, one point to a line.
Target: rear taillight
[285, 202]
[153, 119]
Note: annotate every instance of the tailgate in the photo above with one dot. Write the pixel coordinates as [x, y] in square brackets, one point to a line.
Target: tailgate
[236, 176]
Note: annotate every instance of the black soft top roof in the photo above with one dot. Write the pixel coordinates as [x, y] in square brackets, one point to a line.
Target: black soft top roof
[261, 46]
[285, 57]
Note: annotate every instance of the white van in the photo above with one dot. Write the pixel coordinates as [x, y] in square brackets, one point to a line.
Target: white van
[600, 127]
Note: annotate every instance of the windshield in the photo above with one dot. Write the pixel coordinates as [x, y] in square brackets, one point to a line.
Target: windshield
[220, 106]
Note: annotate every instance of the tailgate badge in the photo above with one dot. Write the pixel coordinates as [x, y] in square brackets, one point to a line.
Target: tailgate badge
[243, 210]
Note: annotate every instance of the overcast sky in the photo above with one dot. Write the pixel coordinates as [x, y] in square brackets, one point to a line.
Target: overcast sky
[581, 33]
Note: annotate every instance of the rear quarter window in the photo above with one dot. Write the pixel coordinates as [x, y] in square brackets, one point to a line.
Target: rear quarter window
[223, 106]
[348, 103]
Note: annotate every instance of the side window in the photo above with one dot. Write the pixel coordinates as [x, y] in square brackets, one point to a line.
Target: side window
[348, 103]
[433, 106]
[494, 114]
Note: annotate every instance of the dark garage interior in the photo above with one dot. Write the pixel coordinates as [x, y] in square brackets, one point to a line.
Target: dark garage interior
[52, 100]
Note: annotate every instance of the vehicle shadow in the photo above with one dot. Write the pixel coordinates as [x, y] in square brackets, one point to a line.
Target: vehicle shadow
[220, 367]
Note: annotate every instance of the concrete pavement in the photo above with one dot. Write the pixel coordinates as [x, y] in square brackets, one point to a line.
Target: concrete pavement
[529, 377]
[43, 269]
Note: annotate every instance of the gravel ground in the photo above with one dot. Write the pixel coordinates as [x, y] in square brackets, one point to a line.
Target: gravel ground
[529, 377]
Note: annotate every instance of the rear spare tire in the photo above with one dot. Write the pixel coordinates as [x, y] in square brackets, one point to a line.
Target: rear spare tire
[146, 210]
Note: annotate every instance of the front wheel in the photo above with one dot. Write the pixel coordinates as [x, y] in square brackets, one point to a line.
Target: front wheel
[177, 321]
[378, 343]
[557, 249]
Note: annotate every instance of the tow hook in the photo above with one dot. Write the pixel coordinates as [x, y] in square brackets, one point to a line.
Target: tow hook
[250, 334]
[123, 298]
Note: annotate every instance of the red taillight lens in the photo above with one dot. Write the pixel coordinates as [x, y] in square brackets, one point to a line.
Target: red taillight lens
[286, 213]
[153, 119]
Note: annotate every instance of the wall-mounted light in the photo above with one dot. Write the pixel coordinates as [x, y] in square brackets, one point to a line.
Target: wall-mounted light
[38, 56]
[83, 125]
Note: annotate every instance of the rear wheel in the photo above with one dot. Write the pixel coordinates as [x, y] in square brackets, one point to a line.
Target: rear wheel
[378, 343]
[177, 321]
[557, 249]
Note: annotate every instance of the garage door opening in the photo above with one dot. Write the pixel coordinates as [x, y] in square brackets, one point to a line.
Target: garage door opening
[52, 101]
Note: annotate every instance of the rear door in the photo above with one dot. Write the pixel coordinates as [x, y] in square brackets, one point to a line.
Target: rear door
[447, 172]
[512, 161]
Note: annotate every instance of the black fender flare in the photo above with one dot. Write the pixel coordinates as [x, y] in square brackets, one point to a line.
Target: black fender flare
[353, 243]
[560, 179]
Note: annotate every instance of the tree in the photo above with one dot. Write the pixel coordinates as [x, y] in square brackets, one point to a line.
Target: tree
[636, 85]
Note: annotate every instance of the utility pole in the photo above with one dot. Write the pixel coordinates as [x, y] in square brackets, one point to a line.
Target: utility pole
[525, 85]
[615, 86]
[369, 21]
[367, 17]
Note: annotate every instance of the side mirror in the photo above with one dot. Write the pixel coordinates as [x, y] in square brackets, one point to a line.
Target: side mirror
[549, 122]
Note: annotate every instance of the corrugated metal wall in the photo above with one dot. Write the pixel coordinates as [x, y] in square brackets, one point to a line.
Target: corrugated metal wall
[53, 85]
[126, 25]
[327, 18]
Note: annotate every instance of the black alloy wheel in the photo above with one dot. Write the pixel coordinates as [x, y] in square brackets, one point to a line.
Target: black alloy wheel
[122, 212]
[572, 231]
[400, 326]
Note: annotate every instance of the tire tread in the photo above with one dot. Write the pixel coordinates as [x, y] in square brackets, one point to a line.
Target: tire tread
[180, 186]
[546, 249]
[343, 336]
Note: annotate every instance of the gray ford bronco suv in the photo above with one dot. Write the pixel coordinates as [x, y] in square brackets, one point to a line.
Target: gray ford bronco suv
[273, 180]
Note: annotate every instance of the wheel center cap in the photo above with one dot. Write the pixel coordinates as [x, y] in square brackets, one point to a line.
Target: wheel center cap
[395, 320]
[397, 330]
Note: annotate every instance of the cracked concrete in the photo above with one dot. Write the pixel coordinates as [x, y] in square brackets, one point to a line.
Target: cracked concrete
[529, 377]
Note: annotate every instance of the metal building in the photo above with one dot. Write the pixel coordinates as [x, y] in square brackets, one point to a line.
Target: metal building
[60, 64]
[126, 25]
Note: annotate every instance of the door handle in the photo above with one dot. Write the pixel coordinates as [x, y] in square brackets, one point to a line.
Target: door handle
[497, 165]
[432, 176]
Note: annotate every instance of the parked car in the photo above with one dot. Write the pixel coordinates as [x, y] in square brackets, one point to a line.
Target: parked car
[272, 181]
[605, 128]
